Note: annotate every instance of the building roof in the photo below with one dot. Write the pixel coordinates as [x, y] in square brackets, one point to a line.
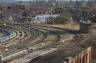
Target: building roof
[47, 15]
[84, 20]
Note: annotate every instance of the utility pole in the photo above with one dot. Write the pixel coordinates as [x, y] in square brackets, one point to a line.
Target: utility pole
[1, 57]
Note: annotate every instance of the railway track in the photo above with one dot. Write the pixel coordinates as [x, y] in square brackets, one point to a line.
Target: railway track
[44, 34]
[22, 35]
[31, 37]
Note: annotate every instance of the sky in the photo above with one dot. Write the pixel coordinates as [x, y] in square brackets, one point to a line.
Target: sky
[15, 0]
[23, 0]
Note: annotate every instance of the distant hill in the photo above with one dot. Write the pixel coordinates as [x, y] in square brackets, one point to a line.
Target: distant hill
[8, 1]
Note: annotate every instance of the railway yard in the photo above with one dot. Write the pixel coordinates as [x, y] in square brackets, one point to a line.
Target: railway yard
[45, 43]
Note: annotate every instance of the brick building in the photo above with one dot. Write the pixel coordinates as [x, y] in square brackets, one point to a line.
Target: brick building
[84, 25]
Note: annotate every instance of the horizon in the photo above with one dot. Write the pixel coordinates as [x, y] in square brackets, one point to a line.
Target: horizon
[37, 0]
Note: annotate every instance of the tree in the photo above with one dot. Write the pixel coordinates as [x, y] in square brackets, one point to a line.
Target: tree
[63, 18]
[24, 14]
[93, 19]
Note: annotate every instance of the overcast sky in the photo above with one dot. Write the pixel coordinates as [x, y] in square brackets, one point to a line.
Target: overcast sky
[28, 0]
[23, 0]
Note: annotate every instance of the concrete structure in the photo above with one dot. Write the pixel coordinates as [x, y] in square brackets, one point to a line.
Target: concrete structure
[46, 18]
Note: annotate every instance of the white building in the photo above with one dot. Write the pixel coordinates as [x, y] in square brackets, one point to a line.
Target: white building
[46, 18]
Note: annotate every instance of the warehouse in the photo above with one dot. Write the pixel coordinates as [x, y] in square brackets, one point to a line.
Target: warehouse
[46, 18]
